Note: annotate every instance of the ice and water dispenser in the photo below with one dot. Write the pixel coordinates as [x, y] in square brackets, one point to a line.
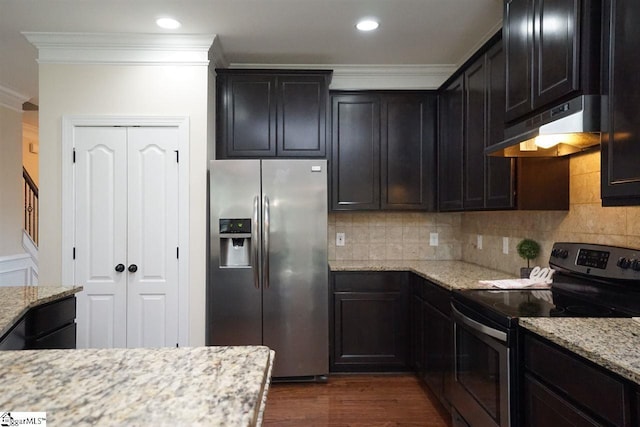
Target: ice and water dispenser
[235, 242]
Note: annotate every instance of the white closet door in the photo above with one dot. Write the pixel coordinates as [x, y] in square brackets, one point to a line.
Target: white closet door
[101, 235]
[126, 197]
[152, 319]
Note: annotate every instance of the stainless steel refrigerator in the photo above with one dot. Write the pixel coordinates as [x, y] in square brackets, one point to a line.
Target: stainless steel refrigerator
[268, 272]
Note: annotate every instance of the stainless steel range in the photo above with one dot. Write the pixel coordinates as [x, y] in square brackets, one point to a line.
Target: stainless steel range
[590, 281]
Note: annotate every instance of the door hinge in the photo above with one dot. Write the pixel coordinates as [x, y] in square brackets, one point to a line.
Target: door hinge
[74, 253]
[177, 345]
[178, 252]
[74, 155]
[177, 156]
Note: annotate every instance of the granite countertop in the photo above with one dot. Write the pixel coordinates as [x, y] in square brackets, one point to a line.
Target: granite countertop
[448, 274]
[17, 300]
[213, 386]
[613, 343]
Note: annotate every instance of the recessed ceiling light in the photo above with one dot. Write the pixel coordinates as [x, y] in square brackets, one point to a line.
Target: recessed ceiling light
[168, 23]
[367, 25]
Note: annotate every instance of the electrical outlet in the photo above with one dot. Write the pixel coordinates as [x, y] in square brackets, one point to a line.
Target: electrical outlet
[479, 244]
[505, 245]
[339, 239]
[433, 239]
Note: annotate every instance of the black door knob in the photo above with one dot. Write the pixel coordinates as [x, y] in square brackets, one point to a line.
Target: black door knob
[133, 268]
[120, 268]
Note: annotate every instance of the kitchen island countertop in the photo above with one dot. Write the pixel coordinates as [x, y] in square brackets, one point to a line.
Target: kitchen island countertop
[17, 300]
[213, 386]
[613, 343]
[448, 274]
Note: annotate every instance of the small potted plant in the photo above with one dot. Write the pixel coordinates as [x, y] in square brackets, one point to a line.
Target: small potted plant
[527, 249]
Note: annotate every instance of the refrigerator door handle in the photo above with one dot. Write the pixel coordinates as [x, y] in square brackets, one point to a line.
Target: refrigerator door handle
[254, 239]
[265, 242]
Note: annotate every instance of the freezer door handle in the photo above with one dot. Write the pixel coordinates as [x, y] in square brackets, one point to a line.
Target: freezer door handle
[265, 241]
[254, 242]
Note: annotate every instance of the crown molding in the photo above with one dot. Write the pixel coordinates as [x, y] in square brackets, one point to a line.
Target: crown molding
[373, 77]
[216, 55]
[480, 43]
[11, 99]
[121, 48]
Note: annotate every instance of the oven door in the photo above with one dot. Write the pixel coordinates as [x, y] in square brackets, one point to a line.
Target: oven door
[481, 377]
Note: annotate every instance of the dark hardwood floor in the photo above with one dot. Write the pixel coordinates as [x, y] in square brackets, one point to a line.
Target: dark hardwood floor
[355, 400]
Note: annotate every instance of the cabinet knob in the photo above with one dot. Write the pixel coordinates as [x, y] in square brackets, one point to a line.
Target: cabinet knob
[133, 268]
[120, 268]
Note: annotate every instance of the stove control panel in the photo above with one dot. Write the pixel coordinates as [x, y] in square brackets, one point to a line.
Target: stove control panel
[599, 261]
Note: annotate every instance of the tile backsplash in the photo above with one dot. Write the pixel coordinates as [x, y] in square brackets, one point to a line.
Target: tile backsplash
[394, 236]
[406, 235]
[586, 221]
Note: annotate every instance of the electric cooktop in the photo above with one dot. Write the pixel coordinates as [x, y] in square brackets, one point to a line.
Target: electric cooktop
[590, 281]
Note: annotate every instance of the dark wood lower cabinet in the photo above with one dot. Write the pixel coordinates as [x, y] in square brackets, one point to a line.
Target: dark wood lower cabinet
[562, 388]
[370, 315]
[47, 326]
[432, 336]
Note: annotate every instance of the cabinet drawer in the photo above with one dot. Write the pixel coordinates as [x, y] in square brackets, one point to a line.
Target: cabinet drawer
[388, 281]
[577, 380]
[14, 339]
[63, 338]
[46, 318]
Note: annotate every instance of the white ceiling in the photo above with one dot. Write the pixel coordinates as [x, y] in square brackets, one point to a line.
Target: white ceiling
[416, 32]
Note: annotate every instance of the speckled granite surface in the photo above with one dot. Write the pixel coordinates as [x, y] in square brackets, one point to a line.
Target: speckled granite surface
[16, 300]
[611, 343]
[448, 274]
[213, 386]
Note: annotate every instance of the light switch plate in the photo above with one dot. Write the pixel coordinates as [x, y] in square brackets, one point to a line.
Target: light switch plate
[339, 239]
[433, 239]
[505, 245]
[479, 244]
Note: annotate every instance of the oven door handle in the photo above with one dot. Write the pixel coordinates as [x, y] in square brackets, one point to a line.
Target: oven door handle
[477, 326]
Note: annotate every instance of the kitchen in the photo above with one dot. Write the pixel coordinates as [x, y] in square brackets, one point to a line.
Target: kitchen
[370, 236]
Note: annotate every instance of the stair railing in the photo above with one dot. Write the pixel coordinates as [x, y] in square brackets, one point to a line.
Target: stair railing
[30, 206]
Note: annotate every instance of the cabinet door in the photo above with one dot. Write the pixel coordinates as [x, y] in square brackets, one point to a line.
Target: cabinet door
[450, 145]
[302, 109]
[355, 158]
[555, 52]
[246, 116]
[518, 44]
[621, 141]
[474, 135]
[500, 170]
[370, 322]
[544, 408]
[408, 152]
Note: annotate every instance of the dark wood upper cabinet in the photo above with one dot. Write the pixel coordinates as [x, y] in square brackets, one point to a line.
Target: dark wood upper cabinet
[471, 118]
[264, 113]
[517, 31]
[474, 165]
[552, 49]
[302, 111]
[499, 185]
[355, 157]
[408, 151]
[450, 146]
[383, 150]
[621, 137]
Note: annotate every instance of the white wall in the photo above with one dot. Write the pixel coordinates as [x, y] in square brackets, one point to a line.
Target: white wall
[134, 90]
[11, 202]
[30, 136]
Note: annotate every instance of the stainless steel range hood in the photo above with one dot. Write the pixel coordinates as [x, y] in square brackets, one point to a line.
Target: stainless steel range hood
[569, 128]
